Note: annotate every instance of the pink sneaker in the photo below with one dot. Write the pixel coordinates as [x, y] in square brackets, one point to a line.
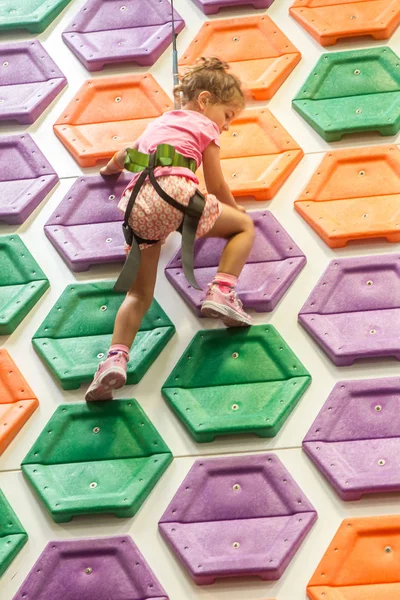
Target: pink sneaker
[110, 375]
[226, 307]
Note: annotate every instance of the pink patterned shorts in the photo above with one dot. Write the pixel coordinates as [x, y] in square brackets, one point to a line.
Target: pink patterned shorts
[154, 219]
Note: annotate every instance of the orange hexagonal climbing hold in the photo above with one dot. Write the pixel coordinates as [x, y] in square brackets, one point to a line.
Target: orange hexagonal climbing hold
[257, 155]
[17, 401]
[256, 49]
[108, 113]
[329, 20]
[354, 194]
[361, 563]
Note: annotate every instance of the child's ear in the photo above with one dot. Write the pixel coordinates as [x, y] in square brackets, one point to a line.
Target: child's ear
[203, 99]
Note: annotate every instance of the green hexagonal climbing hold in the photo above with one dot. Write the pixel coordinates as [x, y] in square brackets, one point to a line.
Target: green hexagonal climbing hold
[236, 381]
[12, 535]
[96, 458]
[22, 282]
[77, 332]
[351, 92]
[33, 15]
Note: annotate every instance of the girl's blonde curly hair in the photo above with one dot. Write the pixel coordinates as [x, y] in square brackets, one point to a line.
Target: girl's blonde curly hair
[211, 75]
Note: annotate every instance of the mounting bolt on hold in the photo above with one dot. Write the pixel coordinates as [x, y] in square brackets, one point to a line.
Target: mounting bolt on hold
[235, 355]
[378, 408]
[88, 571]
[96, 429]
[235, 406]
[93, 485]
[381, 462]
[236, 487]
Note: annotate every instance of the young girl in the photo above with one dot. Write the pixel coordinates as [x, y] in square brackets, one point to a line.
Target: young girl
[211, 98]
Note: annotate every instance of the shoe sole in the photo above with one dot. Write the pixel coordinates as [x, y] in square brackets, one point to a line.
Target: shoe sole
[112, 379]
[229, 317]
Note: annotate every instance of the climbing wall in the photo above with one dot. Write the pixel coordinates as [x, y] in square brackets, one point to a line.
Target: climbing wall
[260, 464]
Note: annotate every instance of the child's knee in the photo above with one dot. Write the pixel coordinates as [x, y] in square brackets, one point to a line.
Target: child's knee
[141, 299]
[248, 224]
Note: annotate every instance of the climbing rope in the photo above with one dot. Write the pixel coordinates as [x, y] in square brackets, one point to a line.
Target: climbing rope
[177, 103]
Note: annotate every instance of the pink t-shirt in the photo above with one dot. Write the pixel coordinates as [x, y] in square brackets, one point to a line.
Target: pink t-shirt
[188, 131]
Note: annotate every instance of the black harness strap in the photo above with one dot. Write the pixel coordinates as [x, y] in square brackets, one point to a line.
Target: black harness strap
[191, 217]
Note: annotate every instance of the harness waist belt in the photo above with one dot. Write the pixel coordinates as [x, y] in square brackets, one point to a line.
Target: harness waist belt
[165, 156]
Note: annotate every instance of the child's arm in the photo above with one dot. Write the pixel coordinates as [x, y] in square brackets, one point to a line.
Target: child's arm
[214, 178]
[116, 164]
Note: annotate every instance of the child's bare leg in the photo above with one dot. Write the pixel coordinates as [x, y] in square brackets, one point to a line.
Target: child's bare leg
[221, 300]
[111, 374]
[238, 229]
[138, 299]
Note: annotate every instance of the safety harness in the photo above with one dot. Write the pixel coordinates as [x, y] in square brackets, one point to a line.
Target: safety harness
[145, 164]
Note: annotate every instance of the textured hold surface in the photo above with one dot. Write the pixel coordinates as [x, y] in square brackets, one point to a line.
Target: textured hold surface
[237, 516]
[361, 563]
[211, 7]
[354, 310]
[108, 113]
[234, 381]
[26, 177]
[22, 282]
[107, 32]
[96, 458]
[29, 81]
[33, 15]
[100, 568]
[258, 155]
[12, 535]
[273, 264]
[355, 440]
[86, 227]
[353, 195]
[256, 49]
[328, 21]
[352, 92]
[17, 401]
[77, 333]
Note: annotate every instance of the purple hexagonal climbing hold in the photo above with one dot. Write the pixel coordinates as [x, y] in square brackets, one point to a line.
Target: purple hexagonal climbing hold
[100, 568]
[107, 32]
[26, 177]
[211, 7]
[29, 81]
[237, 516]
[86, 227]
[273, 265]
[355, 440]
[354, 310]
